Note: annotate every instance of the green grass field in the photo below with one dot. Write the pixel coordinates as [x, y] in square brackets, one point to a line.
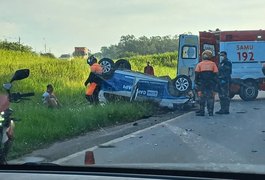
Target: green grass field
[41, 126]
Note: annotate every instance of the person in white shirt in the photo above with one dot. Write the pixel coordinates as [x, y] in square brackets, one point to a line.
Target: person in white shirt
[49, 98]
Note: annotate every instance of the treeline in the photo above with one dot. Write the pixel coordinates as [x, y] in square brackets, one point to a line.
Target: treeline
[14, 46]
[130, 46]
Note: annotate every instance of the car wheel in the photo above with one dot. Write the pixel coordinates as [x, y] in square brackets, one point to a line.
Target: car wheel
[108, 67]
[122, 64]
[182, 83]
[249, 92]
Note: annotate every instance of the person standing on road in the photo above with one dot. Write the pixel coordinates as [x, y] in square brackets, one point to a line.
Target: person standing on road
[206, 81]
[149, 69]
[93, 80]
[224, 77]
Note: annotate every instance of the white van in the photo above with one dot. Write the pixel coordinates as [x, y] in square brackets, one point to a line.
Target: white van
[245, 49]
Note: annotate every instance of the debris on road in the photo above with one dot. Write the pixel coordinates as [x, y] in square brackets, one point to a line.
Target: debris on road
[106, 146]
[241, 112]
[135, 124]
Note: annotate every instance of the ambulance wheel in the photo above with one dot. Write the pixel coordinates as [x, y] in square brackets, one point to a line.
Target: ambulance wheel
[249, 92]
[231, 95]
[122, 64]
[182, 83]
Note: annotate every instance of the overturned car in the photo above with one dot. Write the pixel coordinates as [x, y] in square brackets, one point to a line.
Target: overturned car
[119, 80]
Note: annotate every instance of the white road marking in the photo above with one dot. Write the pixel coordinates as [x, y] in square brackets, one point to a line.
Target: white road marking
[72, 156]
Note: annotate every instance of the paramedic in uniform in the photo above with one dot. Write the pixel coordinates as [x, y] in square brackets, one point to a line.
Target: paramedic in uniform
[93, 80]
[224, 77]
[206, 80]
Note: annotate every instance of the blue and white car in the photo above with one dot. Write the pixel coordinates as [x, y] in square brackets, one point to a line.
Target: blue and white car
[122, 82]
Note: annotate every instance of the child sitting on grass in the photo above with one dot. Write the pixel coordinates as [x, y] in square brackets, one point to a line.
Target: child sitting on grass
[49, 98]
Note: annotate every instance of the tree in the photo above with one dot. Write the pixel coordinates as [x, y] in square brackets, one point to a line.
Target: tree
[15, 46]
[130, 46]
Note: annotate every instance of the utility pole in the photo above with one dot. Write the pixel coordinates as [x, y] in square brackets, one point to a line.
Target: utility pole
[45, 48]
[19, 43]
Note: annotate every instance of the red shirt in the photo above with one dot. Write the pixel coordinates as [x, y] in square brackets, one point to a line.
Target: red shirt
[149, 70]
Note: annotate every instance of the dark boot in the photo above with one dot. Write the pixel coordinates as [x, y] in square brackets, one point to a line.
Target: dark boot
[219, 112]
[198, 111]
[222, 112]
[200, 114]
[90, 99]
[226, 106]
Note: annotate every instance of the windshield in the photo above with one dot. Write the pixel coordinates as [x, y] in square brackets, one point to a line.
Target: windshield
[147, 83]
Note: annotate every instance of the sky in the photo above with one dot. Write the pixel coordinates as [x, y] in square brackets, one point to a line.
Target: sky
[58, 26]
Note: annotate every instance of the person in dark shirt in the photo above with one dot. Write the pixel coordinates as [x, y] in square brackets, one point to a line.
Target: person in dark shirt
[224, 77]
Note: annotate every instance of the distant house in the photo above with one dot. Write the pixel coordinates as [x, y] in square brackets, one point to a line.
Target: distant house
[82, 52]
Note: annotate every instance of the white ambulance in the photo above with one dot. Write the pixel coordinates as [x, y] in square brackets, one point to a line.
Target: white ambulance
[245, 49]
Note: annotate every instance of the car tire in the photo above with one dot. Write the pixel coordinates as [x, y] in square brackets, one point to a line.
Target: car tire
[108, 67]
[249, 92]
[122, 64]
[182, 83]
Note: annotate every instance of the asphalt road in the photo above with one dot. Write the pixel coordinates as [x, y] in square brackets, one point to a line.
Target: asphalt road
[237, 138]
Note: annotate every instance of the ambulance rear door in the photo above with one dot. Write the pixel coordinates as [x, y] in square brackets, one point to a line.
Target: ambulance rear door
[188, 55]
[210, 41]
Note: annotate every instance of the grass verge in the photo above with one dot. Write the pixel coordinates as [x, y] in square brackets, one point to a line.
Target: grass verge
[41, 126]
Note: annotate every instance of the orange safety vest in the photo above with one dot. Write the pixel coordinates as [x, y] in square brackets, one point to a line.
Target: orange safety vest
[96, 68]
[206, 65]
[91, 88]
[207, 68]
